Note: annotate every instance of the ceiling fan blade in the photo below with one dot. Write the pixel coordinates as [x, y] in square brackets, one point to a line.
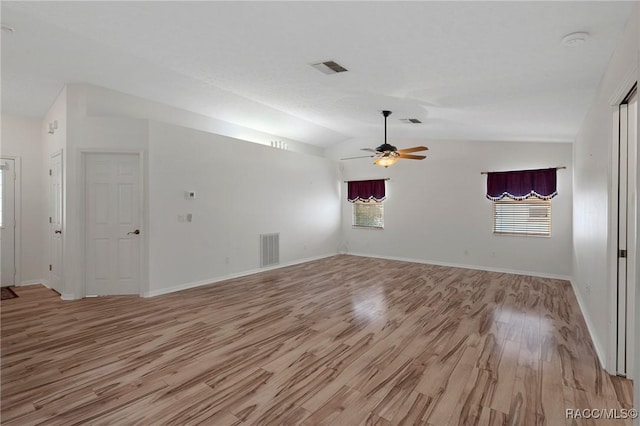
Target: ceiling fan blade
[363, 156]
[414, 149]
[412, 157]
[368, 149]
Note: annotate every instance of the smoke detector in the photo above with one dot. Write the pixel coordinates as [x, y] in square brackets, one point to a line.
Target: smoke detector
[575, 39]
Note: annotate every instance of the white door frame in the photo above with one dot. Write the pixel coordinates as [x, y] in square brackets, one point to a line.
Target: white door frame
[618, 97]
[17, 246]
[142, 247]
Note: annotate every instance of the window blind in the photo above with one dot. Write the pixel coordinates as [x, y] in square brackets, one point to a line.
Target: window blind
[523, 217]
[370, 215]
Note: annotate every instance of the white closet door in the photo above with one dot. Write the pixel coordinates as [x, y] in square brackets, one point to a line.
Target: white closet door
[8, 222]
[112, 215]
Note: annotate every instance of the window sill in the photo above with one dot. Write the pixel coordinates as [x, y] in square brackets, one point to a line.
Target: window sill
[378, 228]
[515, 234]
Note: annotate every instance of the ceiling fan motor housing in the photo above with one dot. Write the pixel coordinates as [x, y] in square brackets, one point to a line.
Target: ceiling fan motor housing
[385, 147]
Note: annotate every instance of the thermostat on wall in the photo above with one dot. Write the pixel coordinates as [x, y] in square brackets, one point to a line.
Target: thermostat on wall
[190, 195]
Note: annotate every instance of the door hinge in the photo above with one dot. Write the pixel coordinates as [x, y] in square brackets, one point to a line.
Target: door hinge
[49, 172]
[622, 253]
[50, 219]
[50, 268]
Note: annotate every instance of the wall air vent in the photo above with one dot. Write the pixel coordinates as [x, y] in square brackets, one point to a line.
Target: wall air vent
[411, 120]
[269, 249]
[329, 67]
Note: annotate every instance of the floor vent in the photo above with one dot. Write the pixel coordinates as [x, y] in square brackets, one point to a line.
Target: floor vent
[269, 249]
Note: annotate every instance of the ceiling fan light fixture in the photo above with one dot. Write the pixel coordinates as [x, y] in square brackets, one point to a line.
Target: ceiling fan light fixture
[386, 161]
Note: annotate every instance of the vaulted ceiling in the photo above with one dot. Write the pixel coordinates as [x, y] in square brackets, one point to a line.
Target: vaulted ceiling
[467, 70]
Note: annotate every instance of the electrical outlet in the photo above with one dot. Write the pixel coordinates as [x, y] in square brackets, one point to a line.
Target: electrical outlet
[189, 217]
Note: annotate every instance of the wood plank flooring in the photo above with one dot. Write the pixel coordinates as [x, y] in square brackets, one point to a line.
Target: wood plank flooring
[343, 341]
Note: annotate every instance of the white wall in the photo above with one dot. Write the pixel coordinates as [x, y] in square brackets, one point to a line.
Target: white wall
[594, 237]
[243, 190]
[103, 102]
[436, 210]
[52, 144]
[21, 138]
[83, 134]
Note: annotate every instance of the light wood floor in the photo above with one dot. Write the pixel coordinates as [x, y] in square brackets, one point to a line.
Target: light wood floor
[341, 341]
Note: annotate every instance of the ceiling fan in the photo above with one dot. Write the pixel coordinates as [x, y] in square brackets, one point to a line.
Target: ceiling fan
[386, 155]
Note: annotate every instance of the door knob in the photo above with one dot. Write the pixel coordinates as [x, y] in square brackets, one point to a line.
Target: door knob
[58, 231]
[136, 232]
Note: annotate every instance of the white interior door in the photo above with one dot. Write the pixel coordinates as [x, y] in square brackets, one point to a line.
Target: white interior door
[112, 217]
[8, 221]
[55, 222]
[627, 236]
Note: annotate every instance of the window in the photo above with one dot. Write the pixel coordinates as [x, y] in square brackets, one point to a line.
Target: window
[368, 214]
[522, 217]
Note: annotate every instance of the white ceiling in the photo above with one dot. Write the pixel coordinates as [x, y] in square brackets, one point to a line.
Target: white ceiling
[468, 70]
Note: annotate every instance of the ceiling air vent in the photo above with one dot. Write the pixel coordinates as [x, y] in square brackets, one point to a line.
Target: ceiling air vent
[411, 120]
[329, 67]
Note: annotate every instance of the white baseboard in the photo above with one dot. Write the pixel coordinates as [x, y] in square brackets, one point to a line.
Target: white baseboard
[67, 296]
[585, 314]
[475, 267]
[214, 280]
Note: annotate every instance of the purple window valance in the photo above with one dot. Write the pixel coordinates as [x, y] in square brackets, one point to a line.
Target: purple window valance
[522, 184]
[365, 190]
